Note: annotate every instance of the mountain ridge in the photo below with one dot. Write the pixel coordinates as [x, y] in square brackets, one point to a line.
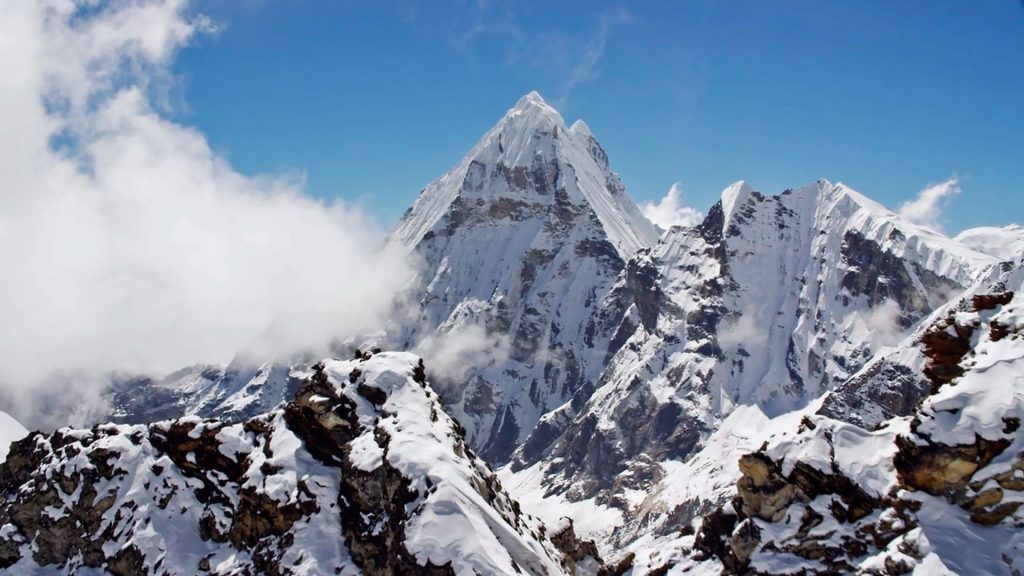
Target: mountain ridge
[763, 306]
[646, 386]
[360, 473]
[518, 243]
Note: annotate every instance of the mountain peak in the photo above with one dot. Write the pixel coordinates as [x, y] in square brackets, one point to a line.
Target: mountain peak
[532, 113]
[531, 98]
[527, 157]
[733, 197]
[580, 128]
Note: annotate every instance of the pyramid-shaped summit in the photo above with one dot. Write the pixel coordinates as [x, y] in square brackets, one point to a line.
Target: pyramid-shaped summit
[520, 241]
[530, 153]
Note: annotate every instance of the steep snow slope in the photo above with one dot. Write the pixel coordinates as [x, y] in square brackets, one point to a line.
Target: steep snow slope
[754, 314]
[361, 473]
[519, 242]
[1004, 243]
[10, 431]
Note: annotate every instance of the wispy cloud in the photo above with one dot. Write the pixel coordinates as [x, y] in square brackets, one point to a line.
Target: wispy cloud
[670, 211]
[588, 62]
[885, 324]
[926, 209]
[553, 55]
[468, 22]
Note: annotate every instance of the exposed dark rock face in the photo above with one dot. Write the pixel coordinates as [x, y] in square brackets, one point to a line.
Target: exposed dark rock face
[641, 282]
[884, 390]
[881, 276]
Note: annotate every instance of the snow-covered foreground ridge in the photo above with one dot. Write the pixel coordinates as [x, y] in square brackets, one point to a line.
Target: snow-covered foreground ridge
[361, 473]
[938, 491]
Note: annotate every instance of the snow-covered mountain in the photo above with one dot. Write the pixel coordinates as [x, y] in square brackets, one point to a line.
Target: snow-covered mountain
[361, 473]
[937, 490]
[236, 391]
[775, 389]
[519, 243]
[1005, 243]
[755, 313]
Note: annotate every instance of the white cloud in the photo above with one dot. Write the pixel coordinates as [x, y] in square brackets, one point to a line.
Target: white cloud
[883, 324]
[557, 55]
[591, 53]
[926, 208]
[125, 242]
[452, 354]
[669, 211]
[745, 330]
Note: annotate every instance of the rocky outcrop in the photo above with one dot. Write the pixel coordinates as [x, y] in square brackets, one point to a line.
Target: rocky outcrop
[71, 495]
[766, 496]
[582, 555]
[882, 276]
[372, 503]
[362, 472]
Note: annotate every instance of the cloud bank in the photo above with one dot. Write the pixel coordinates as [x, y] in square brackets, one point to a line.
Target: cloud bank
[126, 243]
[670, 211]
[926, 208]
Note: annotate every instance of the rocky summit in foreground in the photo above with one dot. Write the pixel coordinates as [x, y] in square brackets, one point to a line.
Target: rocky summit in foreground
[361, 473]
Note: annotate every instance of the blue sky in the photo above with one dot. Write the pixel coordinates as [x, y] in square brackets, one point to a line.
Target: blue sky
[372, 100]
